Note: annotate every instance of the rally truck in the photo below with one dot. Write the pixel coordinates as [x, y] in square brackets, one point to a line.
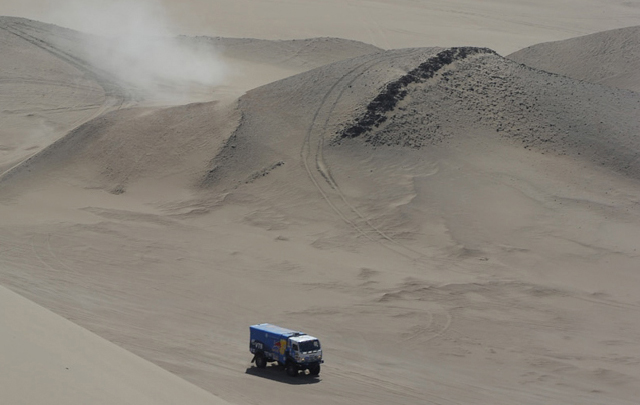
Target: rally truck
[292, 349]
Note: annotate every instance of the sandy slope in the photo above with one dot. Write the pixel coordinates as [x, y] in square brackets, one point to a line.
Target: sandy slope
[42, 97]
[455, 227]
[48, 359]
[611, 58]
[47, 88]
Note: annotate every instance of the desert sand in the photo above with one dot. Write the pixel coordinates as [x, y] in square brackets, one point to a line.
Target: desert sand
[456, 226]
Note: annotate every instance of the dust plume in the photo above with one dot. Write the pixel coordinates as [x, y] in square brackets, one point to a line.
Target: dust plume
[132, 41]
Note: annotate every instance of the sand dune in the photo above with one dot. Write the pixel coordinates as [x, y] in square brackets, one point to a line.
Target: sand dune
[424, 97]
[105, 152]
[48, 89]
[83, 86]
[611, 58]
[456, 227]
[50, 360]
[42, 97]
[244, 63]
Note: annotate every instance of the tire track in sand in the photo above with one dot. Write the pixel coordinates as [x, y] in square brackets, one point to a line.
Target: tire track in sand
[116, 97]
[316, 133]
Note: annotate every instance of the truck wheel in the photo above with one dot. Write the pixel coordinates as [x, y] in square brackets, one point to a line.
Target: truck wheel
[261, 361]
[292, 370]
[315, 370]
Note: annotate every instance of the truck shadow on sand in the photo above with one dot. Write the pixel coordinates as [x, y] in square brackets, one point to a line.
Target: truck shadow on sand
[277, 373]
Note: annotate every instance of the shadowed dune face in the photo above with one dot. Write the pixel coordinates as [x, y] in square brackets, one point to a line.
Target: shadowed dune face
[105, 153]
[524, 106]
[611, 58]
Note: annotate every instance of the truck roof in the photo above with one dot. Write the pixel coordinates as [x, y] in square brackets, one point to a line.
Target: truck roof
[267, 327]
[303, 338]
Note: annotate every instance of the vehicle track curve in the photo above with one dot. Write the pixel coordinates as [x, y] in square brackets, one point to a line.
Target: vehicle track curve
[313, 157]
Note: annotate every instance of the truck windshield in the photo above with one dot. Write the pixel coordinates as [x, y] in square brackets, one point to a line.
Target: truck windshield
[309, 346]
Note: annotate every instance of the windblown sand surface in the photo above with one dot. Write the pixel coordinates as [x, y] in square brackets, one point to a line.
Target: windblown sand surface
[454, 225]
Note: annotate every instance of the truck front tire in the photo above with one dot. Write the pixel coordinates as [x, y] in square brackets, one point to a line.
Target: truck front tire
[292, 370]
[261, 361]
[315, 370]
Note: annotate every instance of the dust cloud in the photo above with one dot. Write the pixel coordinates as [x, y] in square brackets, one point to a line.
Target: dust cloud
[131, 40]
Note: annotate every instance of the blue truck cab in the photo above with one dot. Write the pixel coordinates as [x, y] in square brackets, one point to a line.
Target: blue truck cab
[292, 349]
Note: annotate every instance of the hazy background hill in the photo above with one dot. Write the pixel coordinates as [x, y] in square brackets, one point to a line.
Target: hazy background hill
[505, 26]
[611, 58]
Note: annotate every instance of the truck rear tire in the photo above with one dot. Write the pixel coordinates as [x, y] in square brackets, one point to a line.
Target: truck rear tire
[261, 361]
[315, 370]
[292, 370]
